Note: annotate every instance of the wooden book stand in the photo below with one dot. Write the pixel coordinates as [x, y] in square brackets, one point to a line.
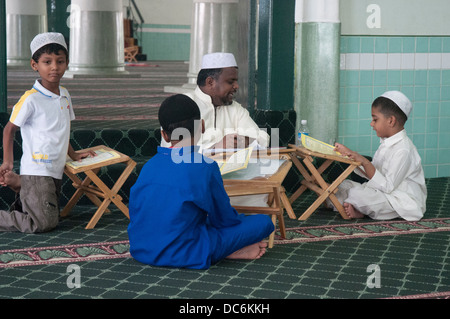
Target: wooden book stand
[271, 185]
[130, 53]
[93, 187]
[314, 181]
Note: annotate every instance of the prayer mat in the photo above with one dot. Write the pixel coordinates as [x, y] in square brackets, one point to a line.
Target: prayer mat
[359, 230]
[434, 295]
[120, 249]
[63, 254]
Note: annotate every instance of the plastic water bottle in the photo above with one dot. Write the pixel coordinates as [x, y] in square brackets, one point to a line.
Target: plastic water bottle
[303, 129]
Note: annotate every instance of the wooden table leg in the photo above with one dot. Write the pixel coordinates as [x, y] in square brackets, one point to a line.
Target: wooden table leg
[305, 175]
[287, 205]
[99, 213]
[78, 184]
[110, 194]
[335, 185]
[327, 192]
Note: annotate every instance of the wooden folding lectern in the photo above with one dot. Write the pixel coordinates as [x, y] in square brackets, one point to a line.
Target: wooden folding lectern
[92, 186]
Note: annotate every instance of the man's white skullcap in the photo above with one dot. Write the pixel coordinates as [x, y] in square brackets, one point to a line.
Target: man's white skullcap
[218, 60]
[46, 38]
[400, 99]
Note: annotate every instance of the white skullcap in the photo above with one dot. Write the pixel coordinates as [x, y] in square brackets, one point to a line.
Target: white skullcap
[46, 38]
[400, 99]
[218, 60]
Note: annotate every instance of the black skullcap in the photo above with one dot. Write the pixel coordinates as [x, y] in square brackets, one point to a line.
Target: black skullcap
[177, 108]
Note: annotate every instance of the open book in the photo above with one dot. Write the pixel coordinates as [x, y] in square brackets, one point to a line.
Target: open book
[102, 156]
[318, 146]
[239, 160]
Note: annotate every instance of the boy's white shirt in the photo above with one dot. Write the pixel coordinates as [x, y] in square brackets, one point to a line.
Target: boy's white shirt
[399, 175]
[44, 121]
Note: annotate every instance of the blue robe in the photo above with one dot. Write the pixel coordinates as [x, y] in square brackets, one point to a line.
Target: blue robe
[180, 214]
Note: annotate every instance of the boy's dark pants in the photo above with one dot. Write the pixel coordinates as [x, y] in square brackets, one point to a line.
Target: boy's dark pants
[36, 208]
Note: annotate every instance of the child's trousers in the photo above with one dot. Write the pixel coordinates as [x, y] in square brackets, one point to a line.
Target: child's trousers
[36, 208]
[368, 201]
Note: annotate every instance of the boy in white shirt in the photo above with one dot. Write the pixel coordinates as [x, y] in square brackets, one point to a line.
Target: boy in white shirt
[396, 186]
[43, 115]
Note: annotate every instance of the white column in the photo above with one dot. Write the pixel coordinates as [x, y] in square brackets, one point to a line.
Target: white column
[24, 20]
[214, 29]
[96, 38]
[317, 66]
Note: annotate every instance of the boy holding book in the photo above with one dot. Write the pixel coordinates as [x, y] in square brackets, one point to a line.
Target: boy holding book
[396, 183]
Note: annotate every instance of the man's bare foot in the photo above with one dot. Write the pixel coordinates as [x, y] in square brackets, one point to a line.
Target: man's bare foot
[12, 180]
[254, 251]
[352, 212]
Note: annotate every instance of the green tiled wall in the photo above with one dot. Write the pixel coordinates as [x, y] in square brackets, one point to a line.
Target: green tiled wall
[417, 66]
[166, 42]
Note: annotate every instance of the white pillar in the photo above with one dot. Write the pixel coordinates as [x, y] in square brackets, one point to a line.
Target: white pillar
[214, 29]
[24, 20]
[96, 38]
[317, 66]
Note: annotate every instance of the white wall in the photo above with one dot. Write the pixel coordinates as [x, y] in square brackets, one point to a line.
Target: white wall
[395, 17]
[172, 12]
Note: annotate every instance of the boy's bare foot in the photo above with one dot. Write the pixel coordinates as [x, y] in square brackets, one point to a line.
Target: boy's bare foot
[2, 180]
[254, 251]
[12, 180]
[352, 212]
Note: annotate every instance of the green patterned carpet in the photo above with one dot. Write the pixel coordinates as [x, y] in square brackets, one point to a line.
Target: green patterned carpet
[413, 261]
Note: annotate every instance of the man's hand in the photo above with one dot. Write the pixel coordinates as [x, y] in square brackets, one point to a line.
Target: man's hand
[234, 141]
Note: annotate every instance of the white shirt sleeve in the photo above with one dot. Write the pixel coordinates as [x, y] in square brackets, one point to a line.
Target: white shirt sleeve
[248, 127]
[21, 112]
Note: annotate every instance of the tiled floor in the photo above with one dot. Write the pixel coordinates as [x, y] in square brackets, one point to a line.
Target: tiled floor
[410, 264]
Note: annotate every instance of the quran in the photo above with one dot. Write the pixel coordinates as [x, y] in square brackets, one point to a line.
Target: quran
[239, 160]
[102, 156]
[318, 146]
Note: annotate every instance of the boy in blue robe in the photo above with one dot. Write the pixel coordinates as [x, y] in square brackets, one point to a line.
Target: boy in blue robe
[180, 214]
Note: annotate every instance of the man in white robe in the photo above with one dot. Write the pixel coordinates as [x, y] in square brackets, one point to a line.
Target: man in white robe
[227, 123]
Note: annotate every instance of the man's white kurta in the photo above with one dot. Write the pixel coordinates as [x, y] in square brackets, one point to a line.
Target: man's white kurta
[224, 120]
